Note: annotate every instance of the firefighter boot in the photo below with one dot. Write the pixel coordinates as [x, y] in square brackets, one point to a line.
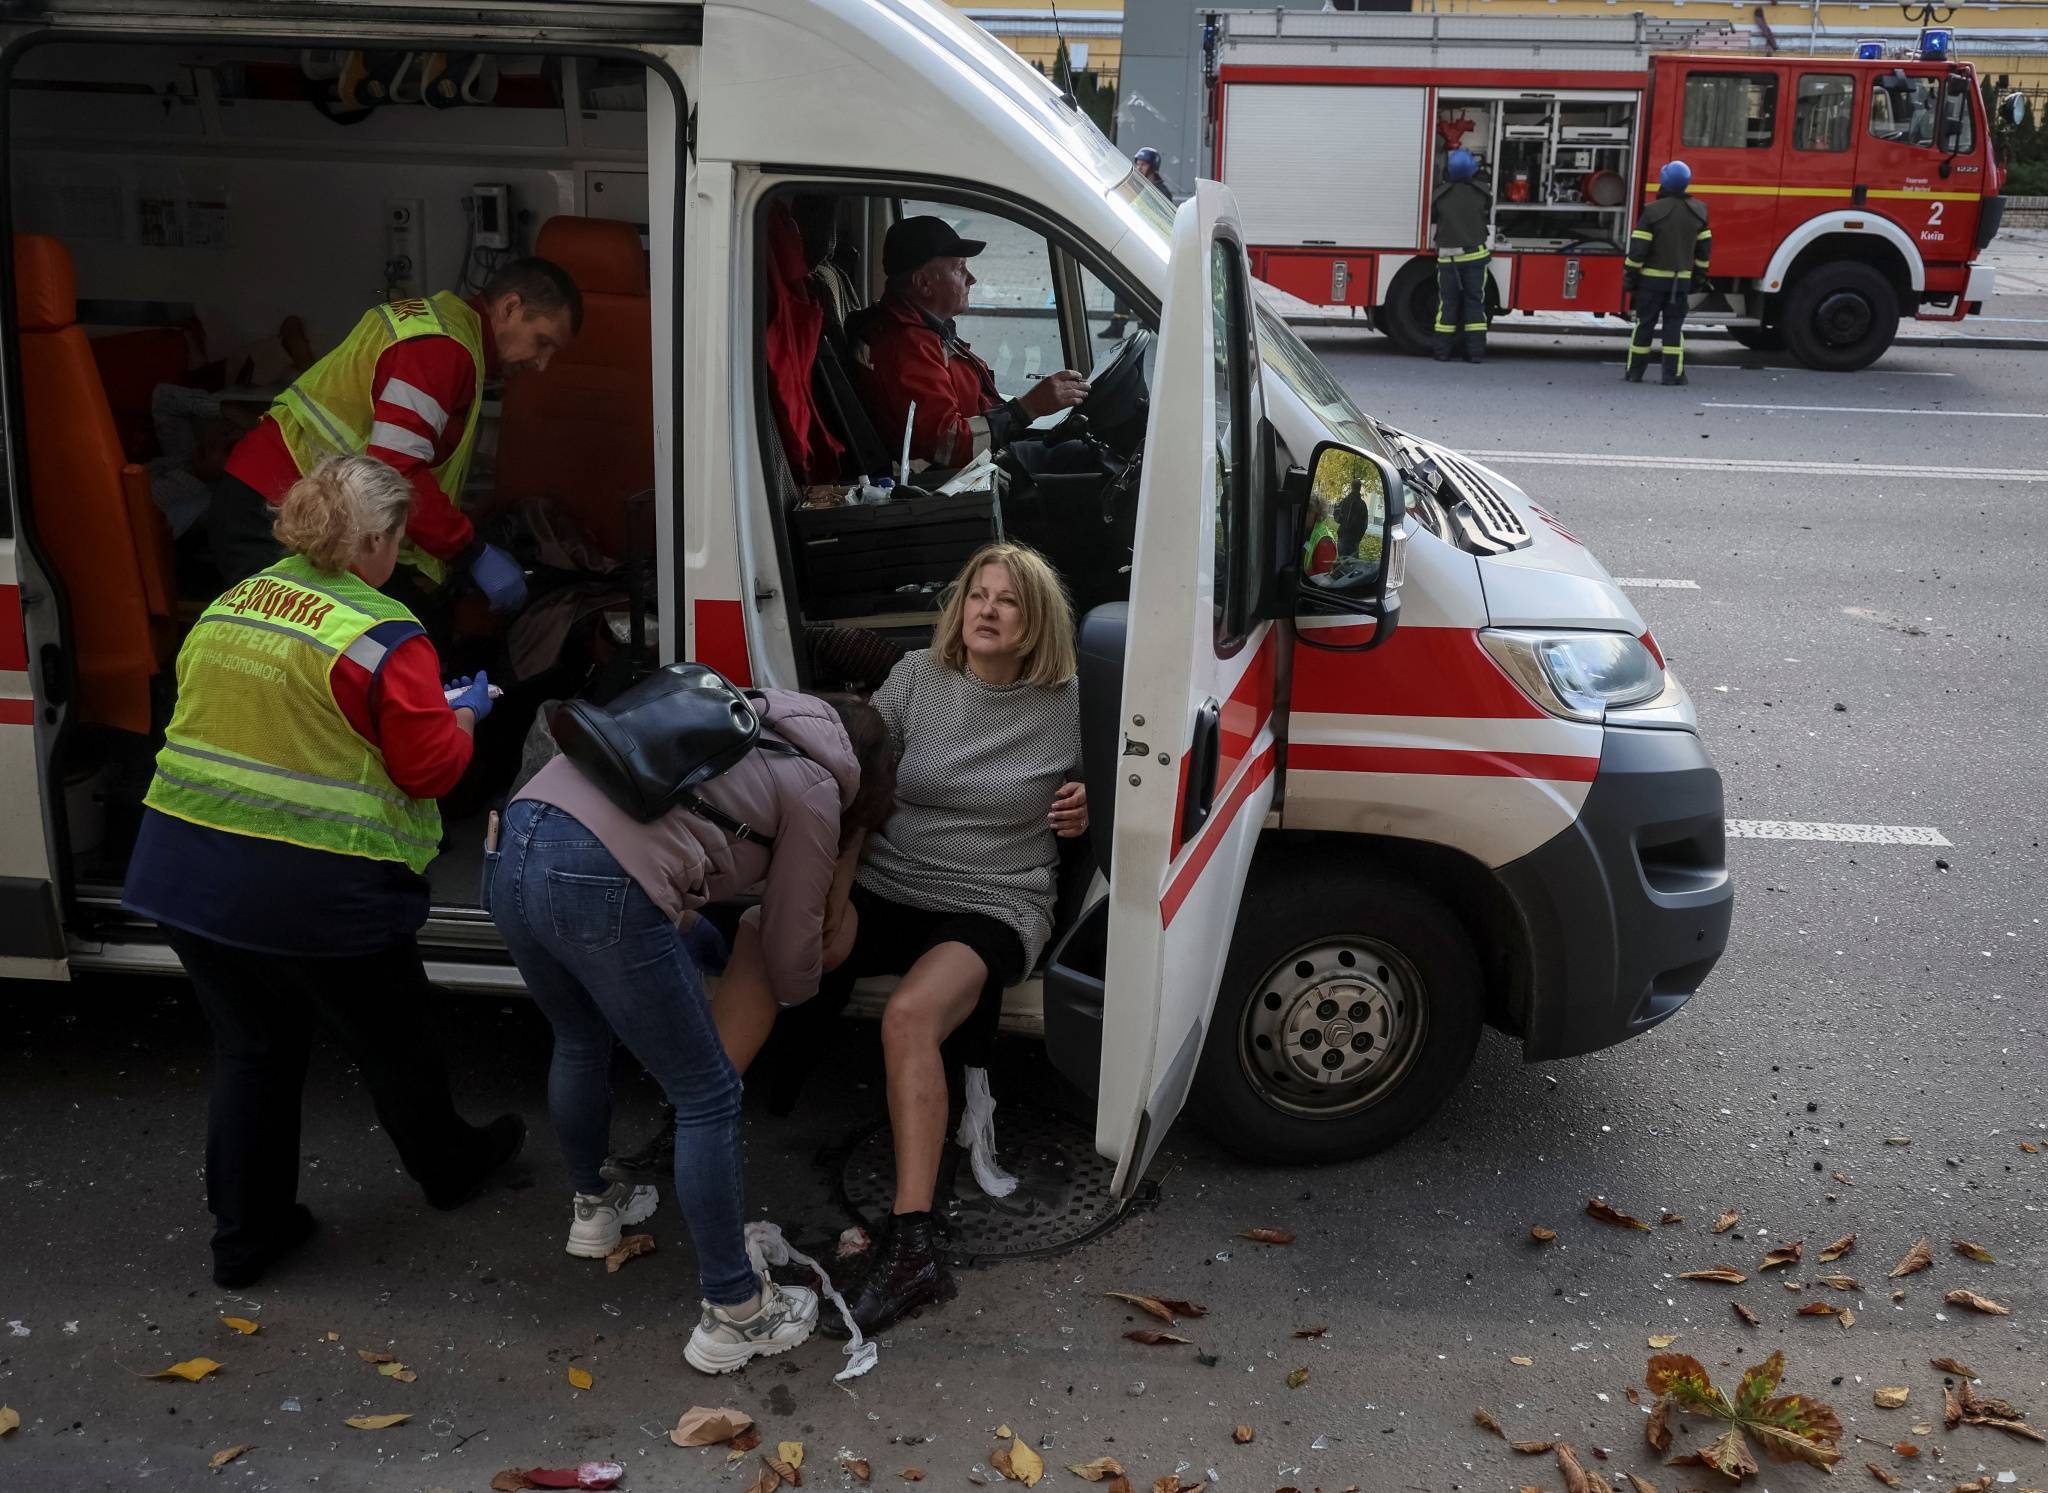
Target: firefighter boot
[1674, 366]
[1638, 361]
[1475, 344]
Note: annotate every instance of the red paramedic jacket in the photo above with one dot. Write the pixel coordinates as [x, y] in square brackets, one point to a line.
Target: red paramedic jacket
[423, 387]
[902, 354]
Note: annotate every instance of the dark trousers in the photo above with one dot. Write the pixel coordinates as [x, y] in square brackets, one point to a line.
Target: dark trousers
[262, 1008]
[1461, 307]
[1660, 317]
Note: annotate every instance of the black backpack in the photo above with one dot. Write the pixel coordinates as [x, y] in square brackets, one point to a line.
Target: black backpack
[659, 739]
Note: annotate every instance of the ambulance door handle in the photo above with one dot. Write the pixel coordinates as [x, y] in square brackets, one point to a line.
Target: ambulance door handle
[1203, 760]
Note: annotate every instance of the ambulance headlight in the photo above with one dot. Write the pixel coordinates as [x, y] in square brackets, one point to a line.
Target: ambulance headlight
[1577, 675]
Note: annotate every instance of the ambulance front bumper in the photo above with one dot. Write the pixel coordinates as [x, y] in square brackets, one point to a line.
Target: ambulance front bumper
[1627, 911]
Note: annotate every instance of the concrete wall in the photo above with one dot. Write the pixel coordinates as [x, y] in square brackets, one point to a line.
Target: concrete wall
[1160, 102]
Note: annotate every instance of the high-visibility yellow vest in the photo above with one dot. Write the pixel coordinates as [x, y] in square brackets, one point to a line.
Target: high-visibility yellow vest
[1325, 528]
[327, 411]
[258, 746]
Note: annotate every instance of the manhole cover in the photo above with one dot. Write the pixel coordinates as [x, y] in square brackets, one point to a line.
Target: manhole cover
[1062, 1197]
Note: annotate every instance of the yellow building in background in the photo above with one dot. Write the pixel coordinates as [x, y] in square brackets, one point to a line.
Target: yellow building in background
[1094, 30]
[2007, 39]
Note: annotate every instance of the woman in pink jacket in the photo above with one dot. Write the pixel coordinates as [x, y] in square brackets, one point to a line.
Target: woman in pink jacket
[595, 908]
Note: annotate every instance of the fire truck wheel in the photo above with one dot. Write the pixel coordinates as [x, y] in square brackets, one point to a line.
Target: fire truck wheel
[1759, 339]
[1350, 1006]
[1840, 317]
[1408, 319]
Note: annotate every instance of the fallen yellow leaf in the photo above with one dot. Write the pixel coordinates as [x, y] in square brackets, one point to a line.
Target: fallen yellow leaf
[702, 1426]
[192, 1370]
[791, 1452]
[1524, 1362]
[1890, 1397]
[376, 1422]
[398, 1371]
[242, 1325]
[581, 1378]
[333, 1337]
[369, 1355]
[222, 1458]
[1097, 1470]
[1026, 1466]
[630, 1247]
[10, 1420]
[1004, 1433]
[1663, 1340]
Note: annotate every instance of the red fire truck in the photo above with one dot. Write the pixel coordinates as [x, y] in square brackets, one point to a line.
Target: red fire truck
[1845, 193]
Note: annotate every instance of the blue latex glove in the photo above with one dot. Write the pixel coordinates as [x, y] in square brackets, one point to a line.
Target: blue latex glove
[498, 576]
[471, 692]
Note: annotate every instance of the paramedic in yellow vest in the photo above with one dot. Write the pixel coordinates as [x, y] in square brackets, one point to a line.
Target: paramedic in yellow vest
[1461, 211]
[283, 841]
[406, 386]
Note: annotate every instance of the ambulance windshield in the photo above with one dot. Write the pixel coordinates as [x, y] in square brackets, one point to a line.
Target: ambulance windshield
[1302, 371]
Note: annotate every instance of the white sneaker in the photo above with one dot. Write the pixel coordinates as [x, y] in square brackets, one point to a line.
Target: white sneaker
[784, 1318]
[601, 1217]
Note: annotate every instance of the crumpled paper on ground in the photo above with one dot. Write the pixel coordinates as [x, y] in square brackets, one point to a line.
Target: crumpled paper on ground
[766, 1247]
[977, 1136]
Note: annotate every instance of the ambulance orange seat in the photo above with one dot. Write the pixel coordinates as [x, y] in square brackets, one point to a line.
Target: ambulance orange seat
[131, 365]
[582, 434]
[82, 495]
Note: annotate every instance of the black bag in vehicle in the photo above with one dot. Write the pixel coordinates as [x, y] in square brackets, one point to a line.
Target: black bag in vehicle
[659, 739]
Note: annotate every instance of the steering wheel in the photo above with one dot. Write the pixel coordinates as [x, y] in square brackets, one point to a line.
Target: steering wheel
[1118, 398]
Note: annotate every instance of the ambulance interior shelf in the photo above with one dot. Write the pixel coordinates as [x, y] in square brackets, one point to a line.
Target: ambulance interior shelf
[1557, 166]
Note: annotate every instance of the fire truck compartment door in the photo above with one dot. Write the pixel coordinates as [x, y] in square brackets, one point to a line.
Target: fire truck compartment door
[1195, 776]
[1326, 164]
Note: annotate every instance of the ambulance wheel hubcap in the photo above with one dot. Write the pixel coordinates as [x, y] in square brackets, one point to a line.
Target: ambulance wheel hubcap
[1844, 318]
[1333, 1027]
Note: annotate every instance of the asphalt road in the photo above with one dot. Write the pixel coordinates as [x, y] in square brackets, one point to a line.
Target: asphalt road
[1862, 648]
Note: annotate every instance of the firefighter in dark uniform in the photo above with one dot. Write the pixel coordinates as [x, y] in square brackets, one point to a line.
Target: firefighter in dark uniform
[1461, 210]
[1667, 252]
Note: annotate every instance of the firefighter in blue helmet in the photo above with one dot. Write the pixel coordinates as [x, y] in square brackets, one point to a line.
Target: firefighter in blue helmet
[1667, 252]
[1461, 211]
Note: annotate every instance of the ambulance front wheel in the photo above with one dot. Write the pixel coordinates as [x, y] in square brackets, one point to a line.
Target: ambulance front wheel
[1839, 317]
[1350, 1007]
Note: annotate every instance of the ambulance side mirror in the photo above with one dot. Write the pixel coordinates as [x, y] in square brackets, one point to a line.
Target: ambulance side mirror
[1350, 541]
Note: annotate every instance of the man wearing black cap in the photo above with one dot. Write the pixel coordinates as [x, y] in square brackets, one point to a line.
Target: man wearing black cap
[907, 350]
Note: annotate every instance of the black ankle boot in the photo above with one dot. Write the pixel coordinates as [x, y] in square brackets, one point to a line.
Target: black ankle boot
[652, 1161]
[907, 1276]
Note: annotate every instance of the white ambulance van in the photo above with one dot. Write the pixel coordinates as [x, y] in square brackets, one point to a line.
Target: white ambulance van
[1377, 752]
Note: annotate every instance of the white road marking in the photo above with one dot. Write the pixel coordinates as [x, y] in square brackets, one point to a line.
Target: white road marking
[1655, 583]
[1787, 468]
[1853, 834]
[1877, 409]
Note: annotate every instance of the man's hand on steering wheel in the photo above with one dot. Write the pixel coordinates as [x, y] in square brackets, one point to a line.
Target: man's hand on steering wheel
[1054, 392]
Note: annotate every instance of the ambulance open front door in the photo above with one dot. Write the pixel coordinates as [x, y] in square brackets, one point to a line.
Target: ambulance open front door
[1195, 776]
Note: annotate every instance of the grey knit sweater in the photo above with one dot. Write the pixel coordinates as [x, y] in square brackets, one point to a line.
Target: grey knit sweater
[979, 770]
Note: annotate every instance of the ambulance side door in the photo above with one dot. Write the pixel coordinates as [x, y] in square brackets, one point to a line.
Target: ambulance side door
[1195, 778]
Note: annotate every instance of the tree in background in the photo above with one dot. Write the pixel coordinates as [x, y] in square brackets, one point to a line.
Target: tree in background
[1096, 97]
[2022, 150]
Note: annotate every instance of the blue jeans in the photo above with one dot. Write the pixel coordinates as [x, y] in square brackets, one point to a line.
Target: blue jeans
[601, 960]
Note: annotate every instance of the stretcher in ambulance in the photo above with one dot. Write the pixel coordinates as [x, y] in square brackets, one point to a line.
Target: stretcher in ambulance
[1378, 754]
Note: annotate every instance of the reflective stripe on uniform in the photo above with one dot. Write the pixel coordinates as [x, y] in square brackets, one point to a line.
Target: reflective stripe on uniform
[404, 442]
[411, 397]
[367, 653]
[290, 632]
[247, 764]
[254, 801]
